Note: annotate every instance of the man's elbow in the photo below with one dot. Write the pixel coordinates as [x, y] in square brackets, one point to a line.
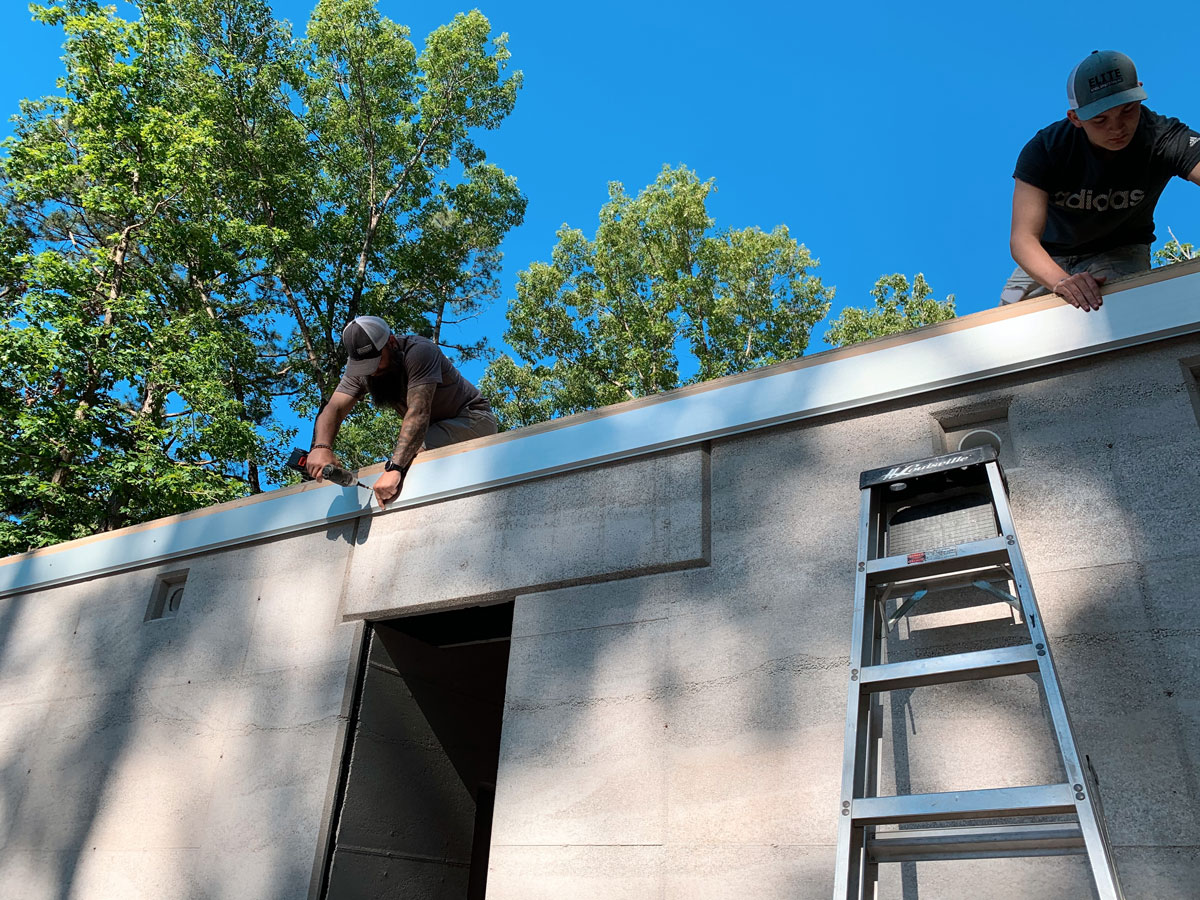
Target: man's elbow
[1014, 247]
[1020, 243]
[336, 408]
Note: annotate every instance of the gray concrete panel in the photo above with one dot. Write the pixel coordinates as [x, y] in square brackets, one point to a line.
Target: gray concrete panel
[137, 758]
[1157, 485]
[1172, 590]
[1067, 511]
[1146, 781]
[584, 735]
[632, 518]
[756, 787]
[727, 871]
[1167, 873]
[581, 872]
[627, 601]
[1100, 599]
[592, 777]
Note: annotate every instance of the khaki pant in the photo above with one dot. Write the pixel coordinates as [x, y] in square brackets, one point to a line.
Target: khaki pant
[1119, 262]
[471, 422]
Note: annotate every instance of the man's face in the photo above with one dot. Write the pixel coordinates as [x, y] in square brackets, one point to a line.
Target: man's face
[385, 358]
[1112, 129]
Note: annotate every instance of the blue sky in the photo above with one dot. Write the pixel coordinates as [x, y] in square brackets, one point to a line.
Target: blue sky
[882, 134]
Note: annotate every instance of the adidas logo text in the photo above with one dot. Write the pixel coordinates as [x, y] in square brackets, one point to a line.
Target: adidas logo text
[1086, 199]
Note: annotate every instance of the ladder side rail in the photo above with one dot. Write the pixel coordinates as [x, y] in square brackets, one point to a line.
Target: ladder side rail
[851, 851]
[1098, 851]
[874, 626]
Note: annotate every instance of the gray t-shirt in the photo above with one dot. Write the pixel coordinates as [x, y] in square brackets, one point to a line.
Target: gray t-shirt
[419, 361]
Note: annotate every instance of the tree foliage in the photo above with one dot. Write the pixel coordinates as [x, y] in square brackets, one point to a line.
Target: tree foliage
[658, 291]
[898, 307]
[1173, 251]
[187, 225]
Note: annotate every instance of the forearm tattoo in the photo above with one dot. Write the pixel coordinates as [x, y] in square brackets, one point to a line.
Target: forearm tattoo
[412, 431]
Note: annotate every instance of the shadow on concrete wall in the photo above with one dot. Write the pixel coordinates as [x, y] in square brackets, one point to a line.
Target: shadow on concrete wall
[740, 668]
[155, 758]
[729, 680]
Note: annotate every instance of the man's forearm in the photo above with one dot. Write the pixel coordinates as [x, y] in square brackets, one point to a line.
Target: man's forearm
[416, 423]
[412, 436]
[1031, 256]
[326, 427]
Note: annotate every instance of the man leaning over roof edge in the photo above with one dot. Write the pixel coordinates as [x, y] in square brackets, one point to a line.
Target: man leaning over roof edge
[1086, 186]
[412, 376]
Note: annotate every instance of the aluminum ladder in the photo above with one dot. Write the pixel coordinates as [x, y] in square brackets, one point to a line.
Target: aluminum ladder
[936, 524]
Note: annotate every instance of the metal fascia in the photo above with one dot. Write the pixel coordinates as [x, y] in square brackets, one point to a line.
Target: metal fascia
[1141, 315]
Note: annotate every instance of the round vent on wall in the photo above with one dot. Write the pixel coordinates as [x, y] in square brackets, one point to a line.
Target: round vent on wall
[174, 599]
[980, 437]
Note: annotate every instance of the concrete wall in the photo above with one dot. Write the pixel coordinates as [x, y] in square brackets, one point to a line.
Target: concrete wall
[681, 735]
[185, 757]
[676, 683]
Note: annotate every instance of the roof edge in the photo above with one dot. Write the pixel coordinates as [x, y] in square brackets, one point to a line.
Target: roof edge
[1034, 333]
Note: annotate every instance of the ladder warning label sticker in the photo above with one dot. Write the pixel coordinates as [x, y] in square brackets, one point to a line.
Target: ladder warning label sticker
[932, 555]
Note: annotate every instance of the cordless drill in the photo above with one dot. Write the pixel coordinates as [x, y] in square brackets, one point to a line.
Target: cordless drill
[336, 474]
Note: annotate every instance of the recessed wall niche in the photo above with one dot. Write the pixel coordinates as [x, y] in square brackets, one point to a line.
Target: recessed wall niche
[167, 595]
[1191, 378]
[977, 425]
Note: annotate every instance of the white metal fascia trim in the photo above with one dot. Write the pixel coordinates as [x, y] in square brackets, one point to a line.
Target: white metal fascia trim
[1140, 315]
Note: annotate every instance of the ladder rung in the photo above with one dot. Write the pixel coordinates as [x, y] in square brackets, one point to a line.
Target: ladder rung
[973, 666]
[970, 555]
[977, 842]
[952, 580]
[1038, 800]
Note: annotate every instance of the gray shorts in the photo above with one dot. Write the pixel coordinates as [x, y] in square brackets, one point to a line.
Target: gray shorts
[1120, 262]
[471, 422]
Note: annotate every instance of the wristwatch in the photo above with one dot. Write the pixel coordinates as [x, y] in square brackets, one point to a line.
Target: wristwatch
[390, 466]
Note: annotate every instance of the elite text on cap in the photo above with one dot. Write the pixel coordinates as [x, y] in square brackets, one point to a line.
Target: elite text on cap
[1103, 80]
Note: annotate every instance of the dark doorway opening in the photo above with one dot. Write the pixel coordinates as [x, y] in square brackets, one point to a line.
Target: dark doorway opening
[414, 815]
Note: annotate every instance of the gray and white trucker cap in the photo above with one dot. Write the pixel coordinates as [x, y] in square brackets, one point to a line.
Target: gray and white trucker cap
[1103, 80]
[363, 339]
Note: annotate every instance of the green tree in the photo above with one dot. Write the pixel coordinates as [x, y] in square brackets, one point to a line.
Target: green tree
[898, 307]
[609, 319]
[186, 228]
[113, 411]
[1173, 251]
[406, 215]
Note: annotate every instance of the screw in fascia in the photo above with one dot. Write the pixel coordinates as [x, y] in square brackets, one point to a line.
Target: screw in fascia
[1077, 787]
[1079, 795]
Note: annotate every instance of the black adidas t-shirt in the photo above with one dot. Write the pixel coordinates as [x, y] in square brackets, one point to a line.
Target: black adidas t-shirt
[1101, 199]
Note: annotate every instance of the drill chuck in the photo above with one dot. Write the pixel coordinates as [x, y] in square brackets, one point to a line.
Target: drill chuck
[338, 475]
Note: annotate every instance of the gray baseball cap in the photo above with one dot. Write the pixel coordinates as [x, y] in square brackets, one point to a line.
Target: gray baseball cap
[1103, 80]
[363, 339]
